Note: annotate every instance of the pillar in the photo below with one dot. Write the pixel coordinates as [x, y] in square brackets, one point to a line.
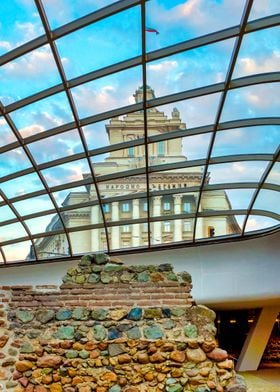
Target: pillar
[257, 339]
[115, 230]
[135, 227]
[95, 233]
[156, 234]
[177, 233]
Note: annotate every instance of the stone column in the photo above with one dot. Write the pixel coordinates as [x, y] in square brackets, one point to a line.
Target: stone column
[156, 233]
[199, 233]
[177, 233]
[95, 233]
[136, 227]
[115, 230]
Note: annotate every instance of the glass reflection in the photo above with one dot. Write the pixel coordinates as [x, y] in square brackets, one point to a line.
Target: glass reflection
[65, 11]
[13, 161]
[127, 236]
[258, 222]
[76, 195]
[28, 75]
[34, 204]
[12, 231]
[177, 21]
[6, 134]
[55, 147]
[52, 247]
[112, 40]
[216, 226]
[236, 172]
[247, 140]
[88, 241]
[104, 94]
[44, 223]
[248, 102]
[20, 23]
[66, 173]
[170, 231]
[42, 115]
[274, 174]
[6, 213]
[191, 69]
[125, 209]
[22, 185]
[20, 251]
[267, 200]
[258, 53]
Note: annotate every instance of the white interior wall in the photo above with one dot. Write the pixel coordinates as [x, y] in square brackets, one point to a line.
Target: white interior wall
[240, 274]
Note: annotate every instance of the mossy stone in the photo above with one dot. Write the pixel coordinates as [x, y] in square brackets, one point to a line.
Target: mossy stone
[190, 331]
[99, 332]
[153, 332]
[24, 315]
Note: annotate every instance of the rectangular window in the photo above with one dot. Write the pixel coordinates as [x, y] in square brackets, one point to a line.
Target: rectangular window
[167, 227]
[125, 207]
[106, 208]
[166, 206]
[126, 229]
[187, 207]
[130, 152]
[187, 226]
[160, 148]
[145, 206]
[145, 227]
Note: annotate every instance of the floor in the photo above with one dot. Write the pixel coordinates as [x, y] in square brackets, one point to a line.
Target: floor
[263, 380]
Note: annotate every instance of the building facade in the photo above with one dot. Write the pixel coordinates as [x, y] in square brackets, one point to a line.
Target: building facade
[171, 213]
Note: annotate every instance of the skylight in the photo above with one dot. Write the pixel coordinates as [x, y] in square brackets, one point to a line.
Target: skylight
[136, 125]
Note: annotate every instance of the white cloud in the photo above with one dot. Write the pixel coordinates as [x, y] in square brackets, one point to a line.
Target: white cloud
[164, 66]
[5, 45]
[249, 65]
[36, 64]
[31, 130]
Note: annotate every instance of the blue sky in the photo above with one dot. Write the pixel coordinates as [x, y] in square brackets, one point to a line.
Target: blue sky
[118, 38]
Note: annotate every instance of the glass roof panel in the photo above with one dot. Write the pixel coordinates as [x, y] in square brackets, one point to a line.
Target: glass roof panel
[236, 172]
[33, 205]
[50, 247]
[102, 38]
[258, 222]
[190, 113]
[45, 114]
[6, 134]
[170, 231]
[12, 231]
[58, 146]
[123, 186]
[259, 53]
[86, 241]
[60, 12]
[6, 213]
[177, 20]
[267, 200]
[119, 161]
[262, 8]
[127, 236]
[28, 75]
[216, 226]
[107, 93]
[182, 203]
[44, 223]
[20, 23]
[76, 195]
[22, 185]
[19, 251]
[274, 174]
[14, 161]
[247, 140]
[66, 173]
[186, 71]
[248, 102]
[230, 199]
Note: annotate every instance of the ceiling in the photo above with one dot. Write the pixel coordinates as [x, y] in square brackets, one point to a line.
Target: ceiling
[67, 69]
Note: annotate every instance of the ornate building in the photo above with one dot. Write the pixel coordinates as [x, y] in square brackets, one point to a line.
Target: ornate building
[129, 188]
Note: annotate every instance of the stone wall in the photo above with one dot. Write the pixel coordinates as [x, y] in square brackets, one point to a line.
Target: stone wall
[111, 327]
